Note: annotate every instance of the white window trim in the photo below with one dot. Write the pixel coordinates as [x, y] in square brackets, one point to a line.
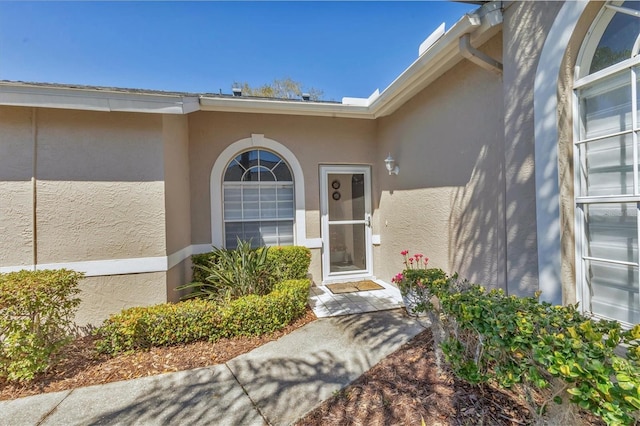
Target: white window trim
[258, 141]
[582, 79]
[545, 106]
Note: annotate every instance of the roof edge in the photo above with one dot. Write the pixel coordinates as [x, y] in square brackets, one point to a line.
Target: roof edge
[439, 57]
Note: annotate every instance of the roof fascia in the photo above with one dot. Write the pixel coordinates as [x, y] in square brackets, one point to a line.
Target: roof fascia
[431, 64]
[434, 62]
[264, 106]
[95, 100]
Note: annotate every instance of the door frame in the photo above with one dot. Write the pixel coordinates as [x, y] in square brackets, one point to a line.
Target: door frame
[325, 171]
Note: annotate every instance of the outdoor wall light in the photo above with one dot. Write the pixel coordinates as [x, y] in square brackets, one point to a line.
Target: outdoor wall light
[391, 165]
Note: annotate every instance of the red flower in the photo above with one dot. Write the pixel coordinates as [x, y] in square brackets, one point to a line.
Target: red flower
[404, 252]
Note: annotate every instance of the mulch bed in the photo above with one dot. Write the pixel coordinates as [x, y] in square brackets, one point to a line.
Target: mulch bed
[81, 366]
[406, 389]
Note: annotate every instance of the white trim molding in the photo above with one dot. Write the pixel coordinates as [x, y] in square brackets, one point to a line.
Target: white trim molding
[257, 141]
[545, 106]
[136, 265]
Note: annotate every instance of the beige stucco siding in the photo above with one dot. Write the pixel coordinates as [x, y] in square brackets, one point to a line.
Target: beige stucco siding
[100, 187]
[16, 192]
[175, 135]
[525, 27]
[565, 152]
[446, 201]
[313, 141]
[103, 296]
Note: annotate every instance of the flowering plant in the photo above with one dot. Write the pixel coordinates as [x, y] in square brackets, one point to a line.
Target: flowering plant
[416, 280]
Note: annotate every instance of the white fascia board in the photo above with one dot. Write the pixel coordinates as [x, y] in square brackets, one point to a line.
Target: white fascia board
[361, 101]
[265, 106]
[441, 56]
[94, 100]
[429, 41]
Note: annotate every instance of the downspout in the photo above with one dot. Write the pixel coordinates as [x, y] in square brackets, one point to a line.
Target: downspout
[477, 57]
[490, 13]
[34, 198]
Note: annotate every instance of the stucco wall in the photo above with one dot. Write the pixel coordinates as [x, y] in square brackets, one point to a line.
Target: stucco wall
[565, 152]
[525, 27]
[313, 140]
[16, 189]
[446, 200]
[103, 296]
[99, 186]
[175, 135]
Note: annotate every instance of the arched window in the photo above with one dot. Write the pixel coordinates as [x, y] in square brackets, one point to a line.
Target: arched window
[606, 154]
[258, 199]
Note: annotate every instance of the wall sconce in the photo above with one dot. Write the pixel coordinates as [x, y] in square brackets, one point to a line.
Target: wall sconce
[390, 163]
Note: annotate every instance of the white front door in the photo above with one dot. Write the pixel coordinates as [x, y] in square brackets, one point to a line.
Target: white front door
[345, 205]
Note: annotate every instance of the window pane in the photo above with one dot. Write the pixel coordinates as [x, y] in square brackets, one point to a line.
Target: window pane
[617, 41]
[347, 245]
[285, 210]
[234, 172]
[606, 106]
[232, 211]
[250, 194]
[251, 210]
[252, 233]
[283, 173]
[609, 166]
[637, 71]
[251, 205]
[268, 159]
[611, 231]
[248, 159]
[614, 291]
[232, 193]
[346, 197]
[231, 230]
[268, 210]
[285, 193]
[251, 175]
[267, 193]
[266, 175]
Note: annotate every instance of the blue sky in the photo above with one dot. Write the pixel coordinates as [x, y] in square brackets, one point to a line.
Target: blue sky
[342, 48]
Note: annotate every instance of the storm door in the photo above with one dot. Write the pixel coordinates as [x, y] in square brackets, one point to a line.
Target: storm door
[346, 222]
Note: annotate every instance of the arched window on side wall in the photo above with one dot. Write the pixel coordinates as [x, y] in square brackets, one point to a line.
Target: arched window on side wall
[258, 199]
[606, 165]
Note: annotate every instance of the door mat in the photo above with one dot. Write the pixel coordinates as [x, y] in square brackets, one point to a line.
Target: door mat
[353, 287]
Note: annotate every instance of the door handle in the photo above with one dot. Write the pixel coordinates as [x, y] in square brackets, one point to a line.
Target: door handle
[368, 219]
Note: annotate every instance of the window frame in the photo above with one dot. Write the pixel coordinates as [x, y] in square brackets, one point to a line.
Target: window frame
[242, 185]
[258, 141]
[583, 81]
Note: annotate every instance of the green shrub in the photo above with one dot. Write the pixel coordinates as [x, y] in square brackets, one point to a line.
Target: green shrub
[202, 319]
[553, 351]
[36, 316]
[230, 274]
[254, 315]
[290, 262]
[199, 260]
[159, 325]
[283, 263]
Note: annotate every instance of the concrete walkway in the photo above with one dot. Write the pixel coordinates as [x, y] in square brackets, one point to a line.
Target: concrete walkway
[274, 384]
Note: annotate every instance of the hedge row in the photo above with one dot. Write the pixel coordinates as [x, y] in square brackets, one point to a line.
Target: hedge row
[550, 351]
[36, 317]
[199, 319]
